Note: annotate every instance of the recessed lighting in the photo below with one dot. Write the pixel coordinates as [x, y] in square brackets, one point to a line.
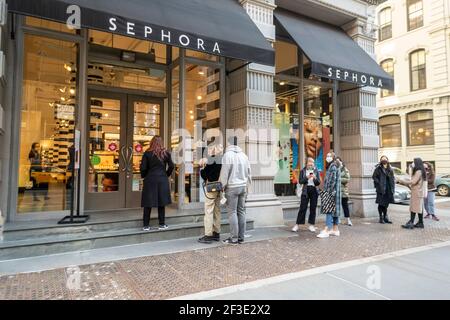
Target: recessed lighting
[199, 98]
[282, 83]
[72, 91]
[68, 67]
[106, 115]
[192, 117]
[63, 99]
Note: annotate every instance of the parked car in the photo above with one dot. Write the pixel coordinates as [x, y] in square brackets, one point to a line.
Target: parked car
[399, 174]
[443, 185]
[402, 194]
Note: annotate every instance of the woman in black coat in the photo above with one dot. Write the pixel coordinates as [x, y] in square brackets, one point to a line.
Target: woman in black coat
[156, 167]
[384, 181]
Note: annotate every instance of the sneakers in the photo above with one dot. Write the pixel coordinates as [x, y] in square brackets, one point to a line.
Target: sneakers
[323, 235]
[216, 236]
[312, 229]
[435, 218]
[230, 241]
[163, 227]
[349, 223]
[409, 225]
[206, 240]
[295, 228]
[419, 225]
[335, 233]
[146, 229]
[240, 241]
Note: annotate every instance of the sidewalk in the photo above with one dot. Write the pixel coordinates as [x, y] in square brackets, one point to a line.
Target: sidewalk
[170, 275]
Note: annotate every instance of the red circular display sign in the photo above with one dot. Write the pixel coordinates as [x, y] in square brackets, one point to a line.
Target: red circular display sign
[112, 147]
[138, 148]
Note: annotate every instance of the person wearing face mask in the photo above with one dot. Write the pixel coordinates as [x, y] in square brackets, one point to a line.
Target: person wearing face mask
[345, 179]
[331, 197]
[384, 181]
[418, 184]
[309, 180]
[430, 198]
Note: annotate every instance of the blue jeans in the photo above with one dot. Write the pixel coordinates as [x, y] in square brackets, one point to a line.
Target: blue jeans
[429, 202]
[331, 221]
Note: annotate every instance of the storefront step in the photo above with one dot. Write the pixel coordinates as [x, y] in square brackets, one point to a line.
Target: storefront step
[55, 244]
[23, 231]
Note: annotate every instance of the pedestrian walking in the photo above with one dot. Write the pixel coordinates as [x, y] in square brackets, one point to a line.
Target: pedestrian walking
[430, 198]
[309, 182]
[418, 184]
[235, 177]
[330, 197]
[210, 173]
[345, 180]
[156, 167]
[384, 181]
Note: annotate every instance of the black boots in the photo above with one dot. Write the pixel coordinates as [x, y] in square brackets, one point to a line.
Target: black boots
[420, 225]
[381, 219]
[410, 224]
[386, 219]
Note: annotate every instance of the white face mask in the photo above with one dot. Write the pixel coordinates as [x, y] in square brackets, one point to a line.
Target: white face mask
[329, 159]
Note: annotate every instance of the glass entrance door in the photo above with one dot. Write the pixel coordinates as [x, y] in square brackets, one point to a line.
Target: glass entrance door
[121, 127]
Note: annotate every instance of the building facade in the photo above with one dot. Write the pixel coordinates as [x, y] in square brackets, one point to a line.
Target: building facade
[86, 89]
[415, 48]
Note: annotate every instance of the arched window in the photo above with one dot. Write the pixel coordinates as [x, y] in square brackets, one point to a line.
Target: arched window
[420, 128]
[385, 22]
[418, 70]
[415, 14]
[388, 66]
[390, 131]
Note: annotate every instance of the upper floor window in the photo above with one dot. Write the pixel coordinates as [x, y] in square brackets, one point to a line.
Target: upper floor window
[385, 21]
[390, 131]
[420, 128]
[418, 70]
[388, 66]
[415, 14]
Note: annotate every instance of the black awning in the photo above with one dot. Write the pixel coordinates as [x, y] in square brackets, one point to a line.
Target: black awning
[333, 54]
[220, 27]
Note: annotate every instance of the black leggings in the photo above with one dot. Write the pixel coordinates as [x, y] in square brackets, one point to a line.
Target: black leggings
[311, 196]
[382, 210]
[345, 207]
[161, 216]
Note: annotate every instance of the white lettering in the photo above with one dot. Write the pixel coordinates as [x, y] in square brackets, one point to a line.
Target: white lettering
[184, 40]
[372, 81]
[113, 26]
[338, 73]
[355, 77]
[201, 44]
[363, 79]
[166, 35]
[330, 72]
[148, 31]
[74, 20]
[216, 48]
[380, 83]
[346, 75]
[130, 28]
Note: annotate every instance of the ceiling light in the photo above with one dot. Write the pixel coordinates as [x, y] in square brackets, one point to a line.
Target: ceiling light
[282, 83]
[68, 67]
[72, 91]
[192, 117]
[63, 99]
[63, 90]
[199, 98]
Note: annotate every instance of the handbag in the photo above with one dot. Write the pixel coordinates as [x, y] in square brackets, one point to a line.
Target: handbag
[328, 201]
[212, 187]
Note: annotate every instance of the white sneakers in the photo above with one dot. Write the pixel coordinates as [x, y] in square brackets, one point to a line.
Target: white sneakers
[311, 228]
[349, 222]
[326, 234]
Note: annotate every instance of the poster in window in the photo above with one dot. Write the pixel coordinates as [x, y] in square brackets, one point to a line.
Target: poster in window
[281, 123]
[314, 141]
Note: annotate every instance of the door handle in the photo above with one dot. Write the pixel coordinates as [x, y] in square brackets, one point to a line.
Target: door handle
[124, 158]
[130, 159]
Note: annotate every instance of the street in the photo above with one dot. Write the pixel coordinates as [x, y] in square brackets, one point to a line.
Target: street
[184, 267]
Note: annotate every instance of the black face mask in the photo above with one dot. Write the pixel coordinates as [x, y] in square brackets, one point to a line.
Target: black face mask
[384, 162]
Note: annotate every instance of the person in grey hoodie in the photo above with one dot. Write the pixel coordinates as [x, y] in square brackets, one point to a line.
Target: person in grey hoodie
[235, 177]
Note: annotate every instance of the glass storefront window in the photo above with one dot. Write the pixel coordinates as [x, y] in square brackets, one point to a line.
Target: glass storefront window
[202, 113]
[420, 128]
[157, 51]
[317, 131]
[47, 129]
[47, 24]
[390, 132]
[150, 80]
[174, 135]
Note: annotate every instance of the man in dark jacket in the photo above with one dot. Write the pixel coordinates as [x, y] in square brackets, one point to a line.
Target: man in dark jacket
[211, 173]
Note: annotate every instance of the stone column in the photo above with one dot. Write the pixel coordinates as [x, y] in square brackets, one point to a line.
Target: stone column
[4, 146]
[250, 108]
[359, 129]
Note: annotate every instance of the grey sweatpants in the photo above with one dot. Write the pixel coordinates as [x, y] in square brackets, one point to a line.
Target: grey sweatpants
[236, 211]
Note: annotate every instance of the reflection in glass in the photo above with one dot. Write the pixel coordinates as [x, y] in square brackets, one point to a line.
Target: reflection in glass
[104, 145]
[48, 118]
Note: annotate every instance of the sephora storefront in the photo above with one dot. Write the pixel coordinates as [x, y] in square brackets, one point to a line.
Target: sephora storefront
[89, 83]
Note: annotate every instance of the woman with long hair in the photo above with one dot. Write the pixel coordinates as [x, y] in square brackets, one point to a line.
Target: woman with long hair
[429, 200]
[156, 167]
[331, 197]
[309, 181]
[418, 185]
[345, 180]
[384, 181]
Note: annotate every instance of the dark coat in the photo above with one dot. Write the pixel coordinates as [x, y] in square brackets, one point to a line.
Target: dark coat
[156, 192]
[304, 180]
[384, 182]
[211, 172]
